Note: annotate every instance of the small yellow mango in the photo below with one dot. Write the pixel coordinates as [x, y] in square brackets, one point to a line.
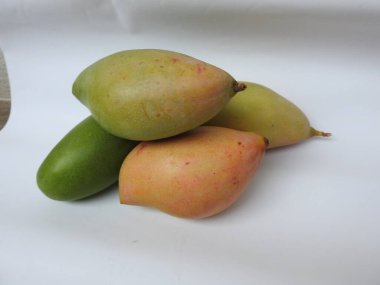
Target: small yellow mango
[261, 110]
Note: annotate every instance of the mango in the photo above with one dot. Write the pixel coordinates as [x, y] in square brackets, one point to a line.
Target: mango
[261, 110]
[86, 161]
[193, 175]
[150, 94]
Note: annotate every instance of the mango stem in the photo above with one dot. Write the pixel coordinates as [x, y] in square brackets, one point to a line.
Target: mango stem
[237, 87]
[315, 132]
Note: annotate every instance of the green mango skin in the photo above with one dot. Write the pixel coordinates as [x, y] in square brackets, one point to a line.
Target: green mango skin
[86, 161]
[150, 94]
[261, 110]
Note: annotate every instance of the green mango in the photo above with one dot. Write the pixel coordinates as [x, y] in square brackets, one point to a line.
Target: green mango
[150, 94]
[86, 161]
[261, 110]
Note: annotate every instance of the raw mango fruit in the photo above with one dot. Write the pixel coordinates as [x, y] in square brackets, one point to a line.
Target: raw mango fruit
[84, 162]
[193, 175]
[261, 110]
[153, 94]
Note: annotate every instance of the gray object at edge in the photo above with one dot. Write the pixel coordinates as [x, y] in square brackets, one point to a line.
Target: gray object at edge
[5, 93]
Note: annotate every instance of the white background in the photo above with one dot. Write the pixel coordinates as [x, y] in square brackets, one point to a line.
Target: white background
[310, 216]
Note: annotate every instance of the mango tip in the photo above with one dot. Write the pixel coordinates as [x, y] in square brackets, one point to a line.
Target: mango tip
[315, 132]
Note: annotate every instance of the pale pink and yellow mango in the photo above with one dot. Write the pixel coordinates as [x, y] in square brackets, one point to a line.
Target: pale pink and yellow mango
[194, 175]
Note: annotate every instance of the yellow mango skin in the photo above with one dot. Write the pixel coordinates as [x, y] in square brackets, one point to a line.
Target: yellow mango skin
[261, 110]
[194, 175]
[152, 94]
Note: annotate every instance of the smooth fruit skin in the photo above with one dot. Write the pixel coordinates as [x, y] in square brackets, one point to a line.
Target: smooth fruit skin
[152, 94]
[261, 110]
[193, 175]
[84, 162]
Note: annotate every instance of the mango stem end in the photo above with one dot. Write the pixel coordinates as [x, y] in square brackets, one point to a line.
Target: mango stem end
[237, 87]
[266, 141]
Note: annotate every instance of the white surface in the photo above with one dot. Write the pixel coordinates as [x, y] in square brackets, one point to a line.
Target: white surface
[310, 216]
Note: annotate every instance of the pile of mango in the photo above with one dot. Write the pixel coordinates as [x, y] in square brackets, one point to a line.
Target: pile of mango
[178, 134]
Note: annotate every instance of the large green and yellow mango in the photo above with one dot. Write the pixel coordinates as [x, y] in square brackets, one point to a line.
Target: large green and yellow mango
[150, 94]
